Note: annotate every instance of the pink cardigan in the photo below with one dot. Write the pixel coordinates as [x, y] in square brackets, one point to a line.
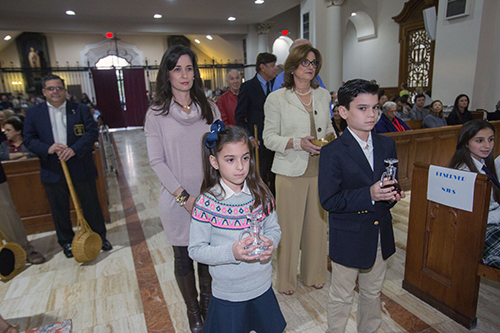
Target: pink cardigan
[174, 148]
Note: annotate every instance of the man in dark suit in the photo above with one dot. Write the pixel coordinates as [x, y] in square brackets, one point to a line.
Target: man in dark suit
[60, 130]
[250, 110]
[350, 189]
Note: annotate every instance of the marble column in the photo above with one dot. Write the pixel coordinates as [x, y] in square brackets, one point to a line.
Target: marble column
[333, 54]
[263, 29]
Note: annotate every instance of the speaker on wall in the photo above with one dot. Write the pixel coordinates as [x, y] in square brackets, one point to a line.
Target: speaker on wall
[456, 8]
[430, 22]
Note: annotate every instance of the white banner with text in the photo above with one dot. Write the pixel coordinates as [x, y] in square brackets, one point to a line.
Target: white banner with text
[450, 187]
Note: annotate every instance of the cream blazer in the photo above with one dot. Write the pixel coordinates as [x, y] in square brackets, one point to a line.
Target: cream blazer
[285, 118]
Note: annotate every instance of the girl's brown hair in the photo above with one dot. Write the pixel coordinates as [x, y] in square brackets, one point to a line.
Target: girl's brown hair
[212, 177]
[462, 152]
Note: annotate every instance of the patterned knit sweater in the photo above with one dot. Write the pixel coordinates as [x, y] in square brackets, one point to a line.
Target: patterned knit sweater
[215, 226]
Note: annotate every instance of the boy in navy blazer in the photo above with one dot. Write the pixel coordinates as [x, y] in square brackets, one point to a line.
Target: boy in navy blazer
[60, 130]
[350, 189]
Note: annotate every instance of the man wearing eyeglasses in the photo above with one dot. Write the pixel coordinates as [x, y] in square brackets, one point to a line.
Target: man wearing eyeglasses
[61, 130]
[250, 110]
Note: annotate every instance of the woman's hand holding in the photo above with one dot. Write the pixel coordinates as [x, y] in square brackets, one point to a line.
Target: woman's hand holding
[308, 146]
[189, 204]
[239, 251]
[270, 248]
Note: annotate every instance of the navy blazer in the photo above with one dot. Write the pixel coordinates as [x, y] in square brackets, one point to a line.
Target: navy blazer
[345, 178]
[250, 108]
[82, 132]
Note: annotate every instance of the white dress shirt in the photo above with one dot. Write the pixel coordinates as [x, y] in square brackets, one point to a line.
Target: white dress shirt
[366, 147]
[58, 123]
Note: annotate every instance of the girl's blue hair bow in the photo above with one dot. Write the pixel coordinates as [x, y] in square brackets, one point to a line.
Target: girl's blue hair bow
[211, 139]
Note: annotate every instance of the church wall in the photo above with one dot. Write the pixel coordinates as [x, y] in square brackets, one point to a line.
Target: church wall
[486, 91]
[64, 49]
[288, 20]
[456, 54]
[9, 54]
[376, 58]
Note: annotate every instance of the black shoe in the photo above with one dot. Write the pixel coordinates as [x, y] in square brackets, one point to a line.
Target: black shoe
[67, 250]
[106, 245]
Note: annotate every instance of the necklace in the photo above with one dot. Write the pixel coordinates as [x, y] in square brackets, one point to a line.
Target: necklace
[303, 94]
[184, 106]
[303, 101]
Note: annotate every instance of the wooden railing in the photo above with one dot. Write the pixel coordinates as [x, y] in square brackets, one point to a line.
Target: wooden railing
[429, 145]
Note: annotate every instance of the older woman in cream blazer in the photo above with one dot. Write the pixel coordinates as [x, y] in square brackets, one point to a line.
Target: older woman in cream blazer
[295, 115]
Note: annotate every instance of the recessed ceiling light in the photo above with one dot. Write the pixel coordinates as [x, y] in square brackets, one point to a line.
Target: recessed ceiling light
[157, 16]
[353, 14]
[209, 37]
[197, 40]
[8, 37]
[259, 2]
[70, 12]
[231, 18]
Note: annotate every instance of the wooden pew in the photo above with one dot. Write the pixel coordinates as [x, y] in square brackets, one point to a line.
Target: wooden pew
[30, 199]
[445, 249]
[428, 145]
[414, 124]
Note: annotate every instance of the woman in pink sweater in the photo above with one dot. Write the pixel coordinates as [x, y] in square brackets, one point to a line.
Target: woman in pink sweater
[174, 127]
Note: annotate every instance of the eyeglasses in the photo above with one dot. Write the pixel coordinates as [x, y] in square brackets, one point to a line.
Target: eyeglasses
[54, 88]
[306, 63]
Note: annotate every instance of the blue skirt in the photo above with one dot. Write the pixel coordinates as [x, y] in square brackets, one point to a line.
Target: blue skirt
[261, 314]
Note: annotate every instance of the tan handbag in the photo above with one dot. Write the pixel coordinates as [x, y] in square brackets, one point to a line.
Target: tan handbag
[12, 258]
[86, 244]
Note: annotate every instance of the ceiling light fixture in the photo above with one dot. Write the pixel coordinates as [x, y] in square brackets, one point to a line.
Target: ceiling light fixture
[209, 37]
[231, 18]
[259, 2]
[197, 40]
[8, 37]
[353, 14]
[157, 16]
[70, 13]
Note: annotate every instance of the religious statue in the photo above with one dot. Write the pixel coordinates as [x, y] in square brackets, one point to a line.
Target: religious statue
[34, 59]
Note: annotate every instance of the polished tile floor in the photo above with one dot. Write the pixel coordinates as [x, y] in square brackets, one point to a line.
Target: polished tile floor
[133, 289]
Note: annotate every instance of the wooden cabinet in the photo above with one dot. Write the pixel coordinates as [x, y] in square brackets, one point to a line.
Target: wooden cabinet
[28, 193]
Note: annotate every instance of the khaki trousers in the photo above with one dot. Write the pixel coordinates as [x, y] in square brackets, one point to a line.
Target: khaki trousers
[303, 227]
[370, 282]
[10, 222]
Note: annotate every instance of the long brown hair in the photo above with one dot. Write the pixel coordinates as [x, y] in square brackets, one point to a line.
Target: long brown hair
[455, 106]
[292, 62]
[212, 177]
[462, 152]
[164, 95]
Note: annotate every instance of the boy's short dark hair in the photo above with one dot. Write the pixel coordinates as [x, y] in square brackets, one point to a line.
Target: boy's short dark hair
[352, 88]
[264, 58]
[419, 96]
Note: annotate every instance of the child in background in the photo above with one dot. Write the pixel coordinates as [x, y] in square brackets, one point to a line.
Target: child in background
[474, 153]
[242, 295]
